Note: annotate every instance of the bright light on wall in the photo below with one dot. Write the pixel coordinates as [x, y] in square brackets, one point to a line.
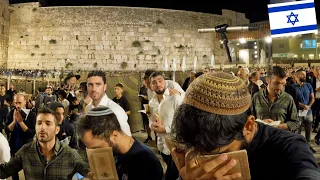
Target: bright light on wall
[268, 39]
[221, 42]
[255, 52]
[255, 47]
[238, 44]
[255, 56]
[242, 40]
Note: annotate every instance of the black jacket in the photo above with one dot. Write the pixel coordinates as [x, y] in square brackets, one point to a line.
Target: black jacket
[67, 129]
[27, 136]
[253, 88]
[314, 85]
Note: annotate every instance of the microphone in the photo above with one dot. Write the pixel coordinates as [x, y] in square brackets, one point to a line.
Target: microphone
[230, 29]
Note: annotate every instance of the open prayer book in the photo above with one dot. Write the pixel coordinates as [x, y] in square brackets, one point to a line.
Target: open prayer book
[274, 123]
[102, 163]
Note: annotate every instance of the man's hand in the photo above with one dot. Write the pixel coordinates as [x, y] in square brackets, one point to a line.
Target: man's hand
[157, 127]
[17, 116]
[306, 107]
[190, 170]
[6, 103]
[173, 92]
[268, 120]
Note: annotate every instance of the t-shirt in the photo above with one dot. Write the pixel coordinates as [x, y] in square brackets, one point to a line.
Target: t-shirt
[279, 154]
[123, 102]
[139, 163]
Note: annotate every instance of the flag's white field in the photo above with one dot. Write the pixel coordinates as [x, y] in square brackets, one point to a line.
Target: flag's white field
[292, 18]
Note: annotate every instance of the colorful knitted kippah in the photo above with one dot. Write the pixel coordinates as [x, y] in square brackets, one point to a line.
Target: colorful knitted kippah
[219, 93]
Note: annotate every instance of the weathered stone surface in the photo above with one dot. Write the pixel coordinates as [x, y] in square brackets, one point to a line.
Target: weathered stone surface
[142, 37]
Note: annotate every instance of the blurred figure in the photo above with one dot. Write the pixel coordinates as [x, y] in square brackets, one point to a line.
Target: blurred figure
[243, 74]
[143, 96]
[11, 92]
[4, 106]
[120, 99]
[188, 80]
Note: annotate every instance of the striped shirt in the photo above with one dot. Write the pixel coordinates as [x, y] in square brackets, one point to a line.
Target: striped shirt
[63, 164]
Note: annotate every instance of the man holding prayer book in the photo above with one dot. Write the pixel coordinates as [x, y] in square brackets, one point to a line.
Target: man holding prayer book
[272, 104]
[99, 129]
[213, 120]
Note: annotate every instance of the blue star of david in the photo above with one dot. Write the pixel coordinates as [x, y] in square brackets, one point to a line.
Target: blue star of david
[295, 18]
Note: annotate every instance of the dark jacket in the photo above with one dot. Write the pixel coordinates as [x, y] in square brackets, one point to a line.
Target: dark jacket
[186, 84]
[253, 88]
[314, 86]
[67, 130]
[27, 136]
[292, 91]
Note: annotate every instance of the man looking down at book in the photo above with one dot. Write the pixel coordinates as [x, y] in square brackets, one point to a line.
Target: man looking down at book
[46, 158]
[272, 104]
[213, 120]
[100, 129]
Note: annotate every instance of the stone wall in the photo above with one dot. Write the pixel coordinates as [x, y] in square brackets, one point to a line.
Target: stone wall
[4, 32]
[111, 38]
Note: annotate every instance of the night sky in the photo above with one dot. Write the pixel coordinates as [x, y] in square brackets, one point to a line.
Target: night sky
[255, 10]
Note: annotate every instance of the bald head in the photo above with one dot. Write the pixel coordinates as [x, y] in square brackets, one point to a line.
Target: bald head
[243, 73]
[19, 101]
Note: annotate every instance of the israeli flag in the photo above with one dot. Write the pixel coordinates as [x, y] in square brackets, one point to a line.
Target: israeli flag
[292, 18]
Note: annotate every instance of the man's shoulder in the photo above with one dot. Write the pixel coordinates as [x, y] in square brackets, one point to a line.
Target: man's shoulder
[28, 148]
[142, 151]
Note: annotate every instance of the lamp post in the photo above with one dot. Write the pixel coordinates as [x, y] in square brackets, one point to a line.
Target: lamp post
[268, 40]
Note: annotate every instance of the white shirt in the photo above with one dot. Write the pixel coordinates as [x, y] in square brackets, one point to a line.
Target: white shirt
[117, 110]
[317, 86]
[169, 84]
[165, 109]
[4, 150]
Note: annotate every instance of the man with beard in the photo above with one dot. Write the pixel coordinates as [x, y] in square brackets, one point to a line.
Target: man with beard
[272, 104]
[100, 128]
[20, 126]
[213, 120]
[162, 107]
[97, 86]
[46, 158]
[306, 94]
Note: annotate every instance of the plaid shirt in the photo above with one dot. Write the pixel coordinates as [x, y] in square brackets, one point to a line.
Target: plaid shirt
[63, 165]
[282, 109]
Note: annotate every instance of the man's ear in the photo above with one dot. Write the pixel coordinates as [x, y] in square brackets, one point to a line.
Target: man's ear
[57, 129]
[249, 127]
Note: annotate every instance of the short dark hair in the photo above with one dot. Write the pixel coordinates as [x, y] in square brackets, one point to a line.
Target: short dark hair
[203, 131]
[155, 74]
[101, 126]
[120, 85]
[149, 72]
[49, 111]
[276, 71]
[300, 70]
[198, 74]
[100, 74]
[62, 93]
[84, 84]
[41, 89]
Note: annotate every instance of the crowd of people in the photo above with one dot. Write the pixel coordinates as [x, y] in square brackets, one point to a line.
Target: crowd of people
[211, 113]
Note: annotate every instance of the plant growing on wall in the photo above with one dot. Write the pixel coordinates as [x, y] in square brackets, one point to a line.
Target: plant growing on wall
[179, 47]
[53, 41]
[124, 65]
[136, 44]
[95, 64]
[68, 65]
[159, 21]
[36, 46]
[34, 9]
[43, 54]
[32, 54]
